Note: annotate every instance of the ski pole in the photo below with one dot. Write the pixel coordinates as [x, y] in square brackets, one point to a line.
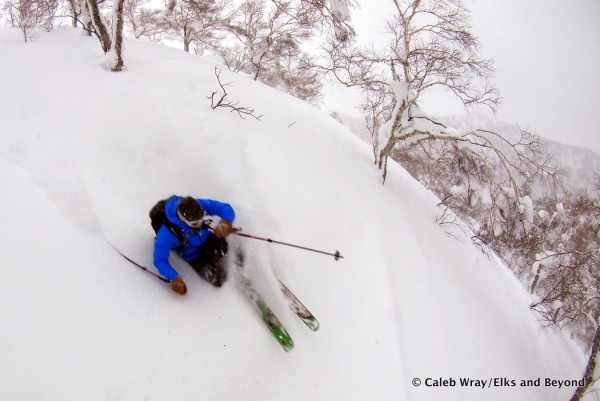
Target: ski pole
[337, 255]
[145, 269]
[135, 263]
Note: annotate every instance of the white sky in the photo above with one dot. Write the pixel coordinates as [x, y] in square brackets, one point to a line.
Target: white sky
[546, 54]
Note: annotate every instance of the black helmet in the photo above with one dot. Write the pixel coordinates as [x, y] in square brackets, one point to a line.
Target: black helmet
[190, 211]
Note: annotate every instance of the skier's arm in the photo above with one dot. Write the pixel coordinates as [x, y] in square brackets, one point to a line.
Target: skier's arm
[164, 242]
[216, 208]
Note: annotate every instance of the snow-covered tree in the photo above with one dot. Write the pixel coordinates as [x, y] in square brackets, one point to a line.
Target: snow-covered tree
[75, 11]
[198, 22]
[108, 32]
[430, 47]
[269, 38]
[99, 25]
[270, 32]
[567, 270]
[117, 34]
[334, 16]
[296, 75]
[30, 14]
[143, 20]
[550, 240]
[590, 376]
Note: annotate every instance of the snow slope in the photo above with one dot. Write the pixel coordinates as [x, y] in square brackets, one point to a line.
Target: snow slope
[85, 153]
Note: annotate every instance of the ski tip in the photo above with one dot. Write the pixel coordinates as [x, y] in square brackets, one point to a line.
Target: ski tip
[285, 341]
[312, 323]
[287, 347]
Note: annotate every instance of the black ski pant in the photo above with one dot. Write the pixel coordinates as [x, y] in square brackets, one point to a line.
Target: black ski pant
[210, 265]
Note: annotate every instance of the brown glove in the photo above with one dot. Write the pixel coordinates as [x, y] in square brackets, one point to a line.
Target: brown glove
[223, 229]
[178, 285]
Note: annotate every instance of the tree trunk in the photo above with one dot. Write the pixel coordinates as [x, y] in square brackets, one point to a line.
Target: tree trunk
[588, 376]
[187, 38]
[25, 31]
[86, 20]
[118, 34]
[536, 280]
[385, 152]
[99, 26]
[75, 14]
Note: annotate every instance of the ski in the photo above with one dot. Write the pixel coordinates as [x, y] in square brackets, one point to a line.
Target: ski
[299, 309]
[269, 318]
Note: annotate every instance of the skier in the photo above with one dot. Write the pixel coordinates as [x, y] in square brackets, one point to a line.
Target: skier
[196, 229]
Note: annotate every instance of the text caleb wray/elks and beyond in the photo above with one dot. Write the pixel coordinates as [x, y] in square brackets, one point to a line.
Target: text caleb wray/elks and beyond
[499, 382]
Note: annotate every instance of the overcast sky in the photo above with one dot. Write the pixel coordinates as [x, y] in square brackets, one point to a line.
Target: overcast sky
[547, 56]
[546, 53]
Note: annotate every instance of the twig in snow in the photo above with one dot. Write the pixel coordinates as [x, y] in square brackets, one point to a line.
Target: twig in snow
[223, 102]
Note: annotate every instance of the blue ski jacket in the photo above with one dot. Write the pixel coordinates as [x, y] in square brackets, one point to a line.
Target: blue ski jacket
[194, 237]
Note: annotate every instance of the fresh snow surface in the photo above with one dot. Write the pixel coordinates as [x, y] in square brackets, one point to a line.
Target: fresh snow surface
[85, 153]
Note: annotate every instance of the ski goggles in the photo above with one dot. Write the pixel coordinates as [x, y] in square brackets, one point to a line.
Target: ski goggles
[194, 223]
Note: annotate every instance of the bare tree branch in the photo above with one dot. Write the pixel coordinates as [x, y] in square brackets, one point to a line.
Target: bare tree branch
[225, 103]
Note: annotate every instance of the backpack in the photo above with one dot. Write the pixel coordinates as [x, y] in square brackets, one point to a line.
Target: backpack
[158, 218]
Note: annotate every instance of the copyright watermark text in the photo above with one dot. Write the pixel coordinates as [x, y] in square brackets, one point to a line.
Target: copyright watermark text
[495, 382]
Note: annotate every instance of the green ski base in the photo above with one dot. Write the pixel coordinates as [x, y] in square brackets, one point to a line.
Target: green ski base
[275, 326]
